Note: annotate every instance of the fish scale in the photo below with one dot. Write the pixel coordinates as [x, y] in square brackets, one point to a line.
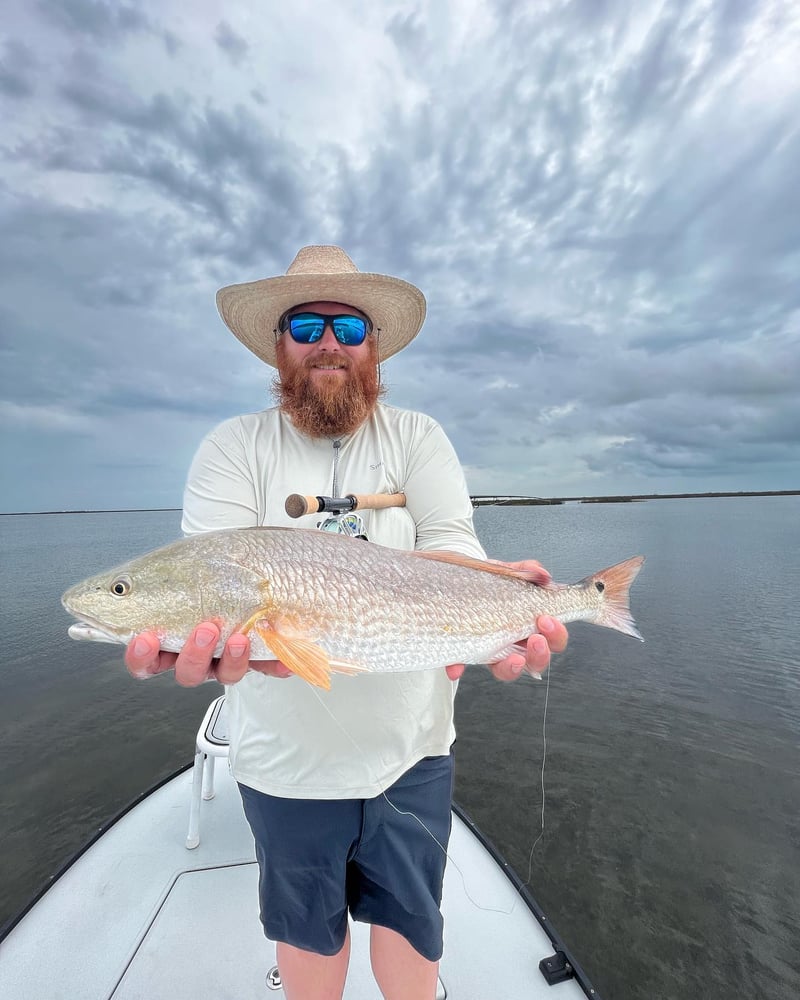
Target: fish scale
[323, 602]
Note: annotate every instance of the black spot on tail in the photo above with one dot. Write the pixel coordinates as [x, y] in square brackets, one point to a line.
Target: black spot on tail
[600, 586]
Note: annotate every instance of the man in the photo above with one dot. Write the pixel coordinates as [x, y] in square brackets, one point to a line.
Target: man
[347, 792]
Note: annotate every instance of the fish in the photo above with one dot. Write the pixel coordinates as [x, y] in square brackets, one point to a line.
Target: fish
[324, 603]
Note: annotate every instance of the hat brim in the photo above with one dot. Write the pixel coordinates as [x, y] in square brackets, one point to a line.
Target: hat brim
[253, 310]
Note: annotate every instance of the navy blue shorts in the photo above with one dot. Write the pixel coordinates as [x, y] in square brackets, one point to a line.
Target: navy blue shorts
[320, 858]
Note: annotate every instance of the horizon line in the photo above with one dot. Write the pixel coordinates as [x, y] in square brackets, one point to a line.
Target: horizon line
[498, 499]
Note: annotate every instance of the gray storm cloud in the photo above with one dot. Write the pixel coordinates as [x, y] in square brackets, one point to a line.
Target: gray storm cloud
[600, 206]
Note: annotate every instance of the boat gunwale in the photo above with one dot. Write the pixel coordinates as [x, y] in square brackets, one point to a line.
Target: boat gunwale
[103, 829]
[528, 898]
[520, 887]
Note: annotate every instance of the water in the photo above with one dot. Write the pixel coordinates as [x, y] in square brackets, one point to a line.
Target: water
[670, 860]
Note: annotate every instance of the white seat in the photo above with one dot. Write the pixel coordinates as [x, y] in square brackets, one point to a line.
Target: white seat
[211, 742]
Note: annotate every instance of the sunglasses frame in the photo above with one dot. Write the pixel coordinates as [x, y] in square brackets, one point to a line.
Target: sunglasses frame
[285, 326]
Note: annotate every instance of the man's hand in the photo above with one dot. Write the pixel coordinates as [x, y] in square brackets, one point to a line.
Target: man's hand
[534, 655]
[194, 664]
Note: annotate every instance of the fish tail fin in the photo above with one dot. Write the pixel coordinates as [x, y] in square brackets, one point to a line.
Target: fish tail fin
[614, 583]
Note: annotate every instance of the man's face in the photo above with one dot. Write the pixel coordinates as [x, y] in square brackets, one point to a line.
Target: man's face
[327, 388]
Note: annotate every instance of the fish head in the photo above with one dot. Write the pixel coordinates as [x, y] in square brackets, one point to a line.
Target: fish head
[160, 592]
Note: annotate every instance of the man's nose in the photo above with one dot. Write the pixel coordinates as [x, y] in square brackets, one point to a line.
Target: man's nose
[328, 339]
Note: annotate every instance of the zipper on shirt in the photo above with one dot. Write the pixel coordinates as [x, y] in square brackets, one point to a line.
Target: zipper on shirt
[337, 444]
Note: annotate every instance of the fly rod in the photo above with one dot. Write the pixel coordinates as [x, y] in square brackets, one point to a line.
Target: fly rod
[297, 505]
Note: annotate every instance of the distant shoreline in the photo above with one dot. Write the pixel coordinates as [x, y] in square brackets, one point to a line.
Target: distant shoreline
[508, 501]
[93, 510]
[498, 500]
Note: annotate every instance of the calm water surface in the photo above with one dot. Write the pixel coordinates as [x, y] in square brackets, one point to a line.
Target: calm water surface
[670, 860]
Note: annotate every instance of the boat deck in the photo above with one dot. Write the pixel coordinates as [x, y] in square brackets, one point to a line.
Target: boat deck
[139, 917]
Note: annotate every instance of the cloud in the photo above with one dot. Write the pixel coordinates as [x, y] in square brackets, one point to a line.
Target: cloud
[18, 68]
[107, 21]
[42, 418]
[232, 44]
[600, 205]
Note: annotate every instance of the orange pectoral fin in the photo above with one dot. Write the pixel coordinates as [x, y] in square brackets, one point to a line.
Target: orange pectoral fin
[301, 656]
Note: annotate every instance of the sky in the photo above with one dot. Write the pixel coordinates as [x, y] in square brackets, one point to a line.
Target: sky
[600, 200]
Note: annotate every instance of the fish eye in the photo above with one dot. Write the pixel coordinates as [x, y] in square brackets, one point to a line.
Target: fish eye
[121, 587]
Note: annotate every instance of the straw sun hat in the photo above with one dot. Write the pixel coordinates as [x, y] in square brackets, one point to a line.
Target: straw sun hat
[322, 274]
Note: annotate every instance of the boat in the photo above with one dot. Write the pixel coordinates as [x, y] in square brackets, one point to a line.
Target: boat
[162, 902]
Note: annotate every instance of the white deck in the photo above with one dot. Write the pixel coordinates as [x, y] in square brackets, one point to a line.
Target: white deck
[140, 917]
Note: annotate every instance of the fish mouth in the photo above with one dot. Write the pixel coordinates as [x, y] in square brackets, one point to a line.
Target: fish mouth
[91, 630]
[82, 630]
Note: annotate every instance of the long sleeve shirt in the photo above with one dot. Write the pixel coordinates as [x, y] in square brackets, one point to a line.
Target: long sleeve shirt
[287, 738]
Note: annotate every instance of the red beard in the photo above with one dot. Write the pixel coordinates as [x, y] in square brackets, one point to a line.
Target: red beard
[330, 405]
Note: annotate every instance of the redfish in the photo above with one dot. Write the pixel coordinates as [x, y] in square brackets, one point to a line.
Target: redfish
[324, 603]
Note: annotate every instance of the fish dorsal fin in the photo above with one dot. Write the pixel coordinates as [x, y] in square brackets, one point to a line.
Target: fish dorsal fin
[468, 562]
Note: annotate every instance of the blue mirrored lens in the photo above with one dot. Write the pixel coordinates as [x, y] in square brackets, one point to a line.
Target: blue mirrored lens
[306, 328]
[349, 330]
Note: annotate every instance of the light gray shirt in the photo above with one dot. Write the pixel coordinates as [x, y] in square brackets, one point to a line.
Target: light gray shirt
[287, 737]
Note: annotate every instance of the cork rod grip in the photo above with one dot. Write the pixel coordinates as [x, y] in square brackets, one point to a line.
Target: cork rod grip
[297, 505]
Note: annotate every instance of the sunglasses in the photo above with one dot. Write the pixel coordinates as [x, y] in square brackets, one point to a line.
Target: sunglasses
[308, 328]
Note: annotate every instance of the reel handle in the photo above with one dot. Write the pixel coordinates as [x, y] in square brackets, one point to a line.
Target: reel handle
[297, 505]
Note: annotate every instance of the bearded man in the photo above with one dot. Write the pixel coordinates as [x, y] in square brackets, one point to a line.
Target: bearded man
[347, 792]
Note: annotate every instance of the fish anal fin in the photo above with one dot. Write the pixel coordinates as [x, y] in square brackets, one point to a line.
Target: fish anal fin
[501, 654]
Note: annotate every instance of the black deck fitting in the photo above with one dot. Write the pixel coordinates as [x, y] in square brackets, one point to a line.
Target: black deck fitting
[556, 968]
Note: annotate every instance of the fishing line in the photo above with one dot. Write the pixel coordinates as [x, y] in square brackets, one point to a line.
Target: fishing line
[403, 812]
[544, 760]
[430, 833]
